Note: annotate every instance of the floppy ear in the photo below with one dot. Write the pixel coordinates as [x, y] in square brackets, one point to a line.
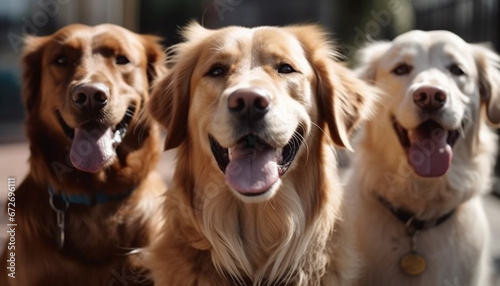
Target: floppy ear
[488, 63]
[367, 59]
[344, 100]
[31, 61]
[169, 103]
[155, 57]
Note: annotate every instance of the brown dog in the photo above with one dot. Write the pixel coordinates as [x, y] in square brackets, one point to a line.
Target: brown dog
[255, 199]
[91, 192]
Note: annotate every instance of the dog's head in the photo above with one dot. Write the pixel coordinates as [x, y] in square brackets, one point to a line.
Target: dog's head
[252, 98]
[89, 83]
[435, 85]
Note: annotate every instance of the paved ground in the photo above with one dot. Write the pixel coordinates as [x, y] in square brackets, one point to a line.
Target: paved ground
[14, 163]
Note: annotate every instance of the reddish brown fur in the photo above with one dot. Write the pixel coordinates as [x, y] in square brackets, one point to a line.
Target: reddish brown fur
[99, 237]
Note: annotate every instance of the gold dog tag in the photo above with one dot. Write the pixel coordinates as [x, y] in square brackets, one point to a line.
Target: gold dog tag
[413, 264]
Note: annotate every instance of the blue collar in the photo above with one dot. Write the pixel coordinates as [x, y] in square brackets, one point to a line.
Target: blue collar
[88, 200]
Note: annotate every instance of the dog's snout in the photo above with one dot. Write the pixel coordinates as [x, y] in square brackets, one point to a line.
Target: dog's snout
[251, 103]
[429, 97]
[92, 96]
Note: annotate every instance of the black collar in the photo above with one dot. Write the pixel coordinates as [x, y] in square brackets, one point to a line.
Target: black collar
[60, 204]
[89, 200]
[408, 218]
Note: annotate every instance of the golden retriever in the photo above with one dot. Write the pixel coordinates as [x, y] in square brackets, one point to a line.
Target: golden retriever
[91, 192]
[255, 198]
[420, 167]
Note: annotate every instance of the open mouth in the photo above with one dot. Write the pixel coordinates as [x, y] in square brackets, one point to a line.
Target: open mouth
[93, 144]
[428, 147]
[252, 166]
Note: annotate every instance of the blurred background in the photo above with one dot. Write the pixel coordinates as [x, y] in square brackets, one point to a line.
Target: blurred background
[351, 23]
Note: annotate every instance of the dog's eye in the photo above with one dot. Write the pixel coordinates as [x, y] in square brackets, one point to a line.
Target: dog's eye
[122, 60]
[402, 69]
[217, 71]
[456, 70]
[61, 60]
[285, 68]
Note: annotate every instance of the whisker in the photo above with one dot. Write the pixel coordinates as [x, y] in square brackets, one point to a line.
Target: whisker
[300, 139]
[466, 121]
[321, 129]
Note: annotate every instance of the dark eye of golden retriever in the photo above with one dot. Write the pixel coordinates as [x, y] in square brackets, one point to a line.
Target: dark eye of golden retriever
[402, 69]
[122, 60]
[217, 70]
[456, 70]
[285, 68]
[61, 60]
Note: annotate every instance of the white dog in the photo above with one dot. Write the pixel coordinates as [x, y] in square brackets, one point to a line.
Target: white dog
[423, 161]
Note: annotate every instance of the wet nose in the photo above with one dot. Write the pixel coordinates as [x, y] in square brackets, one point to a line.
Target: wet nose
[429, 97]
[93, 96]
[249, 103]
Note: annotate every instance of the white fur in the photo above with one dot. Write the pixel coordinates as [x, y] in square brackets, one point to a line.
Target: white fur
[456, 251]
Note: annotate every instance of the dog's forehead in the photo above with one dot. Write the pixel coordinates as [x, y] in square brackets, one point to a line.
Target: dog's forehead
[98, 38]
[255, 43]
[427, 41]
[227, 39]
[275, 36]
[254, 37]
[433, 47]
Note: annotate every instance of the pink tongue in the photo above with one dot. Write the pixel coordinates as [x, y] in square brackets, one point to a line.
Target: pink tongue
[90, 150]
[430, 155]
[252, 170]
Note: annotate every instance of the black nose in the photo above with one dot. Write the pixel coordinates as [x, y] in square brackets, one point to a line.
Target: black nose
[249, 103]
[93, 96]
[429, 97]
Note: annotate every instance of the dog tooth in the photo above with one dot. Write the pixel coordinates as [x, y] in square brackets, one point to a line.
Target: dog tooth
[117, 137]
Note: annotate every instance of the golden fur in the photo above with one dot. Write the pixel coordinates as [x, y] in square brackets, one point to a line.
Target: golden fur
[99, 237]
[292, 234]
[456, 250]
